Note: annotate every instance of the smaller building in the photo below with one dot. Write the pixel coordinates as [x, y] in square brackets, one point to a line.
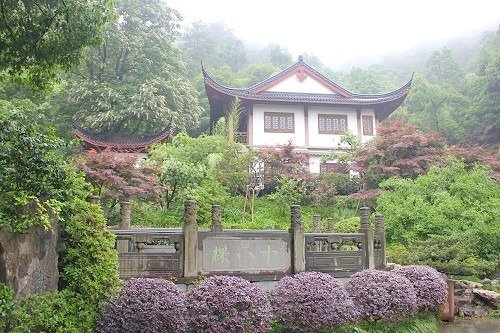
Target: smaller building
[302, 106]
[121, 143]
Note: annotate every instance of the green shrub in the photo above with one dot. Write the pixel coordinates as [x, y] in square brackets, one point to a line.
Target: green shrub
[447, 218]
[7, 307]
[58, 312]
[89, 260]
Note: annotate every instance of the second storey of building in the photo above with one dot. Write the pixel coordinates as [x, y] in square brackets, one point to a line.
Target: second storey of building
[302, 106]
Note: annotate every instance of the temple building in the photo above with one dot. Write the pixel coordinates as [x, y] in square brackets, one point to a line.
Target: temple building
[119, 142]
[301, 105]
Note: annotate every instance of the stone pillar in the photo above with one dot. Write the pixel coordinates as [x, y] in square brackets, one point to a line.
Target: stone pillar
[380, 253]
[125, 212]
[367, 230]
[317, 223]
[216, 218]
[190, 230]
[447, 309]
[298, 240]
[329, 224]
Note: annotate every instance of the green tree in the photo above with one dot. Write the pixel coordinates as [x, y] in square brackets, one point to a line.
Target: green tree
[40, 38]
[448, 205]
[134, 82]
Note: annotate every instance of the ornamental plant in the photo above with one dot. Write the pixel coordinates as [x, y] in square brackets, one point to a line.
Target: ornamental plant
[145, 305]
[312, 302]
[379, 294]
[429, 285]
[223, 304]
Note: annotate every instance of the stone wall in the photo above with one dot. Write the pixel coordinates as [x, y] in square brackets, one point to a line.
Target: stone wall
[28, 261]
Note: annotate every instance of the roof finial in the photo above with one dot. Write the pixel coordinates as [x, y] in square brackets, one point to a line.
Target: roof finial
[301, 58]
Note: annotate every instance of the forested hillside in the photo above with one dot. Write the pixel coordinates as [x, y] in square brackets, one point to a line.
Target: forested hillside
[149, 70]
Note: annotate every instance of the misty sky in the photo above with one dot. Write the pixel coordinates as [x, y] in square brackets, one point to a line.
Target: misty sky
[339, 32]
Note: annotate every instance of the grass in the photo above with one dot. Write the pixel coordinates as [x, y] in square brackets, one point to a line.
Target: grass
[426, 322]
[267, 215]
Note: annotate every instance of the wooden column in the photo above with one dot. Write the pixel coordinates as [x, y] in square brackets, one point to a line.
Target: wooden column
[306, 124]
[250, 126]
[360, 125]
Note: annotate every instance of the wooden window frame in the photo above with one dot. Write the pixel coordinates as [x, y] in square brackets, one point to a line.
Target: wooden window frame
[287, 115]
[333, 116]
[371, 130]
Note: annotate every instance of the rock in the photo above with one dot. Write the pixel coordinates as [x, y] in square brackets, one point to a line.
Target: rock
[487, 282]
[495, 282]
[471, 311]
[464, 284]
[489, 297]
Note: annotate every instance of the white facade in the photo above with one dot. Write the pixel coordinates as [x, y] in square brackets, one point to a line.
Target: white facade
[306, 135]
[308, 85]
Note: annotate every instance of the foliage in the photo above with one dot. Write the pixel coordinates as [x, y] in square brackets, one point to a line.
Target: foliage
[283, 161]
[228, 304]
[40, 38]
[134, 82]
[448, 217]
[7, 306]
[288, 192]
[379, 294]
[474, 154]
[467, 253]
[116, 175]
[400, 150]
[89, 260]
[33, 179]
[58, 312]
[430, 286]
[186, 161]
[311, 301]
[145, 305]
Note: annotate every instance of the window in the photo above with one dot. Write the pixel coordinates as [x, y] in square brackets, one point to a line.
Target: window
[332, 124]
[279, 122]
[367, 125]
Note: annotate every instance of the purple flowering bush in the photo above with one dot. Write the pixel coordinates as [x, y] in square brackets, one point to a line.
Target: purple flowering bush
[312, 302]
[145, 305]
[430, 287]
[379, 294]
[223, 304]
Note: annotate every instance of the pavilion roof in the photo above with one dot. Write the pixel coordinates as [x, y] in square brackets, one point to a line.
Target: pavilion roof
[120, 142]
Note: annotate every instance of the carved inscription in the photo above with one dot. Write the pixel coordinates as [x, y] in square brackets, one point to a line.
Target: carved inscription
[232, 254]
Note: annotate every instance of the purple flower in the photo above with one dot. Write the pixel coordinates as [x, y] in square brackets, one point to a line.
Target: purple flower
[312, 302]
[430, 287]
[146, 306]
[379, 294]
[224, 304]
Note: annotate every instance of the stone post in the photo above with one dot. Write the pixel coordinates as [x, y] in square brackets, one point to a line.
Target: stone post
[380, 254]
[367, 230]
[329, 224]
[298, 240]
[125, 211]
[190, 230]
[216, 218]
[316, 223]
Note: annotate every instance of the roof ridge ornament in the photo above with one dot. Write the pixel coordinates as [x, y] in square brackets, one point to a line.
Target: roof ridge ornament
[301, 58]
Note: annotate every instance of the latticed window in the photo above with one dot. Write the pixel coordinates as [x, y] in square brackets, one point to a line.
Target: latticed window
[367, 125]
[279, 122]
[332, 123]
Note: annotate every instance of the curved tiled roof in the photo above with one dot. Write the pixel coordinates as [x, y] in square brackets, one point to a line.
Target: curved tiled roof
[341, 96]
[121, 142]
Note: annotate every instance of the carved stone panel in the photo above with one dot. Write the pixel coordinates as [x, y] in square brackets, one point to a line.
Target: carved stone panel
[243, 253]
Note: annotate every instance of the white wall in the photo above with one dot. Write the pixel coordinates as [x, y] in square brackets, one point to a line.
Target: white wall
[329, 140]
[314, 163]
[261, 138]
[293, 84]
